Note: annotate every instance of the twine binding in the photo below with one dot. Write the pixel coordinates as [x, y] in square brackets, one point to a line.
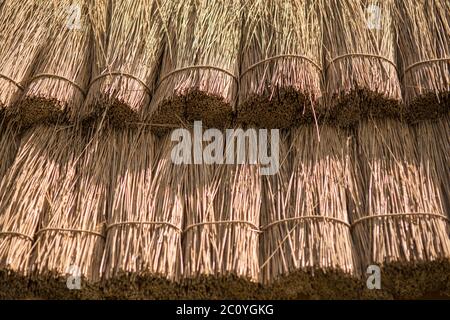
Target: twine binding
[162, 223]
[270, 225]
[70, 230]
[425, 214]
[253, 227]
[419, 63]
[363, 55]
[122, 74]
[281, 56]
[17, 234]
[55, 76]
[14, 82]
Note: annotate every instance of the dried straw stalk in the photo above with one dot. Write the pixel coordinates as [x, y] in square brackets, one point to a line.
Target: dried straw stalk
[199, 71]
[124, 78]
[281, 62]
[23, 30]
[59, 82]
[433, 139]
[143, 244]
[221, 234]
[9, 143]
[424, 45]
[70, 237]
[360, 58]
[403, 227]
[27, 192]
[307, 246]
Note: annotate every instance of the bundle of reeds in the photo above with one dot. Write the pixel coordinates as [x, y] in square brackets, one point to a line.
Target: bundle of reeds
[198, 78]
[9, 143]
[424, 46]
[433, 143]
[61, 74]
[70, 237]
[126, 72]
[399, 224]
[143, 245]
[281, 66]
[221, 234]
[307, 246]
[361, 72]
[23, 30]
[27, 192]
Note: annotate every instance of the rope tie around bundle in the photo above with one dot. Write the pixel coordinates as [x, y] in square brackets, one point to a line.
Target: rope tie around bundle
[121, 74]
[252, 226]
[55, 76]
[279, 57]
[142, 223]
[361, 55]
[16, 234]
[396, 215]
[422, 62]
[14, 82]
[326, 219]
[70, 230]
[193, 67]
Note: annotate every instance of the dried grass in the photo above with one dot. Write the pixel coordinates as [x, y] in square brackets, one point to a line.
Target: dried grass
[198, 78]
[9, 143]
[221, 234]
[403, 227]
[424, 46]
[143, 244]
[27, 192]
[70, 238]
[59, 82]
[23, 30]
[307, 246]
[281, 66]
[128, 59]
[360, 59]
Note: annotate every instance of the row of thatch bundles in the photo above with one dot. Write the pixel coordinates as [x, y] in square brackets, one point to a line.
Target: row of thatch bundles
[112, 206]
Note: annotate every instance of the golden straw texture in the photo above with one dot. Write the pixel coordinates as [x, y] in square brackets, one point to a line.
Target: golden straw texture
[123, 80]
[399, 221]
[145, 221]
[424, 46]
[281, 66]
[28, 191]
[23, 30]
[59, 82]
[9, 143]
[305, 223]
[222, 222]
[199, 71]
[360, 60]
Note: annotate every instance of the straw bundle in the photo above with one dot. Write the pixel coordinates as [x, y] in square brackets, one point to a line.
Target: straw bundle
[360, 55]
[27, 191]
[70, 237]
[281, 62]
[9, 143]
[424, 45]
[126, 72]
[221, 235]
[400, 224]
[59, 81]
[199, 70]
[307, 246]
[143, 244]
[433, 139]
[23, 30]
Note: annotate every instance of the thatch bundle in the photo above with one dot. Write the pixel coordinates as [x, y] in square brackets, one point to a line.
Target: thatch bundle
[70, 238]
[27, 192]
[143, 244]
[126, 71]
[360, 56]
[61, 74]
[424, 46]
[307, 246]
[23, 30]
[9, 143]
[399, 223]
[281, 67]
[221, 234]
[199, 70]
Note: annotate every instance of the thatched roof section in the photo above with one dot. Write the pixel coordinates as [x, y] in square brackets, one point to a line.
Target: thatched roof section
[91, 89]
